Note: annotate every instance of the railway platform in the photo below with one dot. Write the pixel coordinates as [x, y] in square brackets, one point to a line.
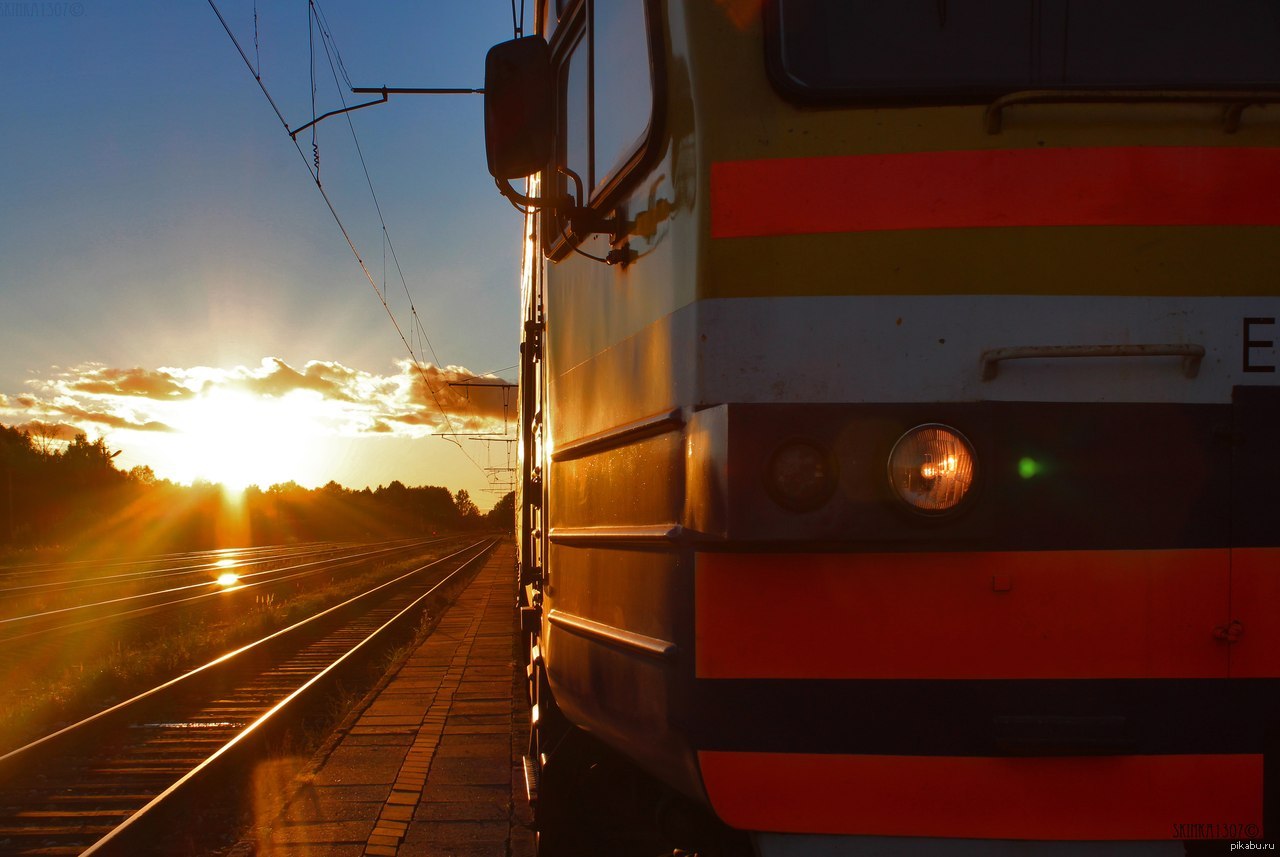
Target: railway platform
[431, 766]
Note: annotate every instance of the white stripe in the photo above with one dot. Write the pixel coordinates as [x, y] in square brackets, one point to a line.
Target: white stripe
[929, 348]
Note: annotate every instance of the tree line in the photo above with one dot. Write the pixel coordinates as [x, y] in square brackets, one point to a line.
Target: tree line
[76, 496]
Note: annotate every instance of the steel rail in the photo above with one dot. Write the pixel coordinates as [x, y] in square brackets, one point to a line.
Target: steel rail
[225, 560]
[211, 589]
[125, 838]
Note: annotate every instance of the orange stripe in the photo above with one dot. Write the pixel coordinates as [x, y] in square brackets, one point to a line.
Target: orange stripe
[1255, 601]
[1135, 186]
[1094, 798]
[1064, 614]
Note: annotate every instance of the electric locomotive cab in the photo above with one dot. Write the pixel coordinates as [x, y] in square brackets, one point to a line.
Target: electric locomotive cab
[898, 412]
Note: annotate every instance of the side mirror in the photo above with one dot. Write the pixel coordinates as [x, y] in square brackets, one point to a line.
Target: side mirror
[519, 108]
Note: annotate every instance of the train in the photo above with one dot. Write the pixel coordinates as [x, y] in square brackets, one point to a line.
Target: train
[899, 414]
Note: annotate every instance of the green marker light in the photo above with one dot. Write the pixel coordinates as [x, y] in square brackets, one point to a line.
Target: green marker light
[1028, 467]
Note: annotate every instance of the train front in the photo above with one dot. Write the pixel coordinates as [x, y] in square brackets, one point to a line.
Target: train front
[982, 486]
[899, 415]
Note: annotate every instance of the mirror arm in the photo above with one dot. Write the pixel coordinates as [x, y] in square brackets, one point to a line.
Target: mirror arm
[582, 220]
[552, 204]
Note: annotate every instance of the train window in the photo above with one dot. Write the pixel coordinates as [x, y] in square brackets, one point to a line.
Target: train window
[623, 90]
[606, 91]
[575, 106]
[956, 48]
[1227, 42]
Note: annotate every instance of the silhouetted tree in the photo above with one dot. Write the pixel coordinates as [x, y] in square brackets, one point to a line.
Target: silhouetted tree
[503, 514]
[78, 495]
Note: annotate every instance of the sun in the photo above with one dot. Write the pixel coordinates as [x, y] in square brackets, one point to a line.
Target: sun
[238, 439]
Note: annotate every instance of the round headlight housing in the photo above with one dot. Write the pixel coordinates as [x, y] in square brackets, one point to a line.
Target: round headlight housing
[932, 468]
[800, 475]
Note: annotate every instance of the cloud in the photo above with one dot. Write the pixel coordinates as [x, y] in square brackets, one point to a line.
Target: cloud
[114, 421]
[77, 416]
[137, 382]
[473, 403]
[334, 399]
[277, 378]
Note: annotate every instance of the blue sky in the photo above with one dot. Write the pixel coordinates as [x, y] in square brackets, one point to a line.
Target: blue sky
[156, 217]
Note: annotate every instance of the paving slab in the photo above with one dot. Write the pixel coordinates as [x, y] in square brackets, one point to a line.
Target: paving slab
[432, 765]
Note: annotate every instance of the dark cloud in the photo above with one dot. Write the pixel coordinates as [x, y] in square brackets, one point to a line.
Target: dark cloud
[109, 420]
[481, 402]
[330, 380]
[137, 382]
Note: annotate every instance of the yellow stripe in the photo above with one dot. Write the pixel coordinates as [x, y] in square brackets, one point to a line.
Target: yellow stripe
[1115, 261]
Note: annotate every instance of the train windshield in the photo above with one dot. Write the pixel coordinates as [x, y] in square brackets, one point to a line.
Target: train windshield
[953, 49]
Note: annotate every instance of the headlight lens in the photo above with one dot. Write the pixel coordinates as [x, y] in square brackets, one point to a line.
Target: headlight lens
[931, 468]
[801, 475]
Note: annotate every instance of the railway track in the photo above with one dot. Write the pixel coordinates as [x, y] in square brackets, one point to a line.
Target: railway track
[109, 783]
[247, 585]
[70, 588]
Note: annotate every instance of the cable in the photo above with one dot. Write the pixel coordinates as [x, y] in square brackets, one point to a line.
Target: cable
[386, 233]
[418, 329]
[257, 57]
[574, 247]
[327, 32]
[311, 52]
[256, 76]
[343, 229]
[327, 40]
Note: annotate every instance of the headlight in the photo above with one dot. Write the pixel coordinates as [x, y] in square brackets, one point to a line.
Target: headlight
[800, 475]
[931, 468]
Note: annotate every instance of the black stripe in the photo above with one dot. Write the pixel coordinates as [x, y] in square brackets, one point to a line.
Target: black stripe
[1051, 476]
[986, 717]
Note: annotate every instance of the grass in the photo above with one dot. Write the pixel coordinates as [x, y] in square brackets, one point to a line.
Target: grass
[66, 685]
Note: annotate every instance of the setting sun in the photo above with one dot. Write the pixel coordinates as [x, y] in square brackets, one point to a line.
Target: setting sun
[238, 439]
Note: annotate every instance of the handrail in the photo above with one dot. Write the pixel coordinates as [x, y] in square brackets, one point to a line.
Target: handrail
[1191, 354]
[1234, 101]
[600, 632]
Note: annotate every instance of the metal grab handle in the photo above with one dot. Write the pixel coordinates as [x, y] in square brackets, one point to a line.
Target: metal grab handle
[1233, 101]
[1191, 355]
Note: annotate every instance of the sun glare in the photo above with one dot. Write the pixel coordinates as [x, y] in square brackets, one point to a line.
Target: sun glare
[237, 439]
[228, 579]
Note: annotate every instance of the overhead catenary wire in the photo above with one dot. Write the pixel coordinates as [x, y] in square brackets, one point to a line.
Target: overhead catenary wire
[311, 52]
[327, 32]
[328, 42]
[257, 56]
[341, 226]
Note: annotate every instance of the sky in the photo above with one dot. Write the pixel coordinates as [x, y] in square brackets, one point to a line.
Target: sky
[171, 279]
